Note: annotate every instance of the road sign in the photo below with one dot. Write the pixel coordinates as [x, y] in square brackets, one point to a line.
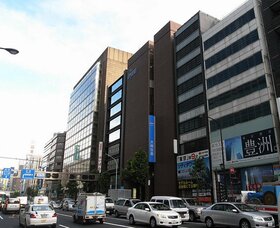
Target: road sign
[6, 173]
[40, 175]
[28, 174]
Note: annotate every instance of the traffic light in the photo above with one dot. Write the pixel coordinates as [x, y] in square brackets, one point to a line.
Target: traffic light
[52, 175]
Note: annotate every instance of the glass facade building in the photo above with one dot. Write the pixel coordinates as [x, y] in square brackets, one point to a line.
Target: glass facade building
[82, 126]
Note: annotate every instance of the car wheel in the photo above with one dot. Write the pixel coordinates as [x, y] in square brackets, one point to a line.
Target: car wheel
[131, 220]
[20, 225]
[192, 216]
[101, 221]
[117, 214]
[209, 222]
[25, 224]
[245, 224]
[54, 226]
[74, 219]
[153, 222]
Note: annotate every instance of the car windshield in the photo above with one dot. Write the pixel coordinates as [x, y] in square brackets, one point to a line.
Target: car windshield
[160, 207]
[41, 208]
[13, 200]
[245, 207]
[178, 204]
[109, 201]
[135, 201]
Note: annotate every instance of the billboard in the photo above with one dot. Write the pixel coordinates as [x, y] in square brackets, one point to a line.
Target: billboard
[152, 151]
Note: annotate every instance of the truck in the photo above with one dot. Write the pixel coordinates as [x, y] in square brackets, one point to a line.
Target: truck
[266, 200]
[90, 208]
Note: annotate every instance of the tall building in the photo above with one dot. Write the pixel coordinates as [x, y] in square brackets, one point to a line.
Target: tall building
[241, 102]
[53, 161]
[271, 19]
[191, 103]
[86, 116]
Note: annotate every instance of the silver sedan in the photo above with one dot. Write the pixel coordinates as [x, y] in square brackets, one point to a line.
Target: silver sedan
[235, 215]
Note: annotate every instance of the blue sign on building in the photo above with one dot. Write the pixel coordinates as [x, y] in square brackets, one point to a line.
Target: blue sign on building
[152, 151]
[6, 173]
[28, 174]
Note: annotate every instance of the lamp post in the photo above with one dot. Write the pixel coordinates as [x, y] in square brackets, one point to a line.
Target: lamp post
[116, 178]
[10, 50]
[223, 156]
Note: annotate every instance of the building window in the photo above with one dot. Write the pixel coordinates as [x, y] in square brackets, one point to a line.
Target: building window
[116, 97]
[115, 122]
[233, 48]
[242, 116]
[117, 108]
[188, 49]
[241, 91]
[234, 70]
[232, 27]
[191, 103]
[116, 85]
[114, 136]
[192, 124]
[187, 32]
[191, 83]
[189, 66]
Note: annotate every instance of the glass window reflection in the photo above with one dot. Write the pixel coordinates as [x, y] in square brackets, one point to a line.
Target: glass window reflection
[116, 85]
[117, 108]
[116, 97]
[115, 122]
[114, 136]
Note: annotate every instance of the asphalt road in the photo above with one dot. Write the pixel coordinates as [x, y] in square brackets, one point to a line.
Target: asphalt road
[65, 221]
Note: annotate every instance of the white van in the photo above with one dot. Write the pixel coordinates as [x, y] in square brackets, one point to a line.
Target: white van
[175, 203]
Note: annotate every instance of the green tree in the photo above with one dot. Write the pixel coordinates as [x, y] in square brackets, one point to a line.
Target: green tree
[136, 172]
[104, 182]
[15, 194]
[201, 174]
[31, 192]
[72, 187]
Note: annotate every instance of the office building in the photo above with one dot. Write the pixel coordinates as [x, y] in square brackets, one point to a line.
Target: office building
[192, 128]
[241, 102]
[86, 116]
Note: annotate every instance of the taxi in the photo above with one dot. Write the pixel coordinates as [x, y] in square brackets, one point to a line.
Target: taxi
[37, 215]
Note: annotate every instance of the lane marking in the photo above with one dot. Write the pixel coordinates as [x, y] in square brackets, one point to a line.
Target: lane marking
[113, 224]
[64, 226]
[70, 216]
[1, 217]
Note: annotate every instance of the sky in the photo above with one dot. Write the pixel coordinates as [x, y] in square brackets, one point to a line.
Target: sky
[58, 41]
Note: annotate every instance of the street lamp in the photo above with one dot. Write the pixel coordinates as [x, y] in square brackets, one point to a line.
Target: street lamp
[223, 156]
[116, 178]
[11, 50]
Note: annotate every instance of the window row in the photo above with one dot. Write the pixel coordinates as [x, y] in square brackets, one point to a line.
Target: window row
[229, 29]
[189, 66]
[193, 146]
[187, 32]
[188, 49]
[74, 119]
[242, 116]
[191, 83]
[191, 103]
[78, 136]
[234, 70]
[76, 127]
[233, 48]
[69, 154]
[192, 124]
[241, 91]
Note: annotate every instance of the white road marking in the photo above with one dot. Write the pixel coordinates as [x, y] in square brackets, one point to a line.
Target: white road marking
[64, 226]
[70, 216]
[1, 217]
[113, 224]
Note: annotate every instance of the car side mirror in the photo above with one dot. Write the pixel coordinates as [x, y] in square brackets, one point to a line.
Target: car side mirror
[147, 209]
[234, 211]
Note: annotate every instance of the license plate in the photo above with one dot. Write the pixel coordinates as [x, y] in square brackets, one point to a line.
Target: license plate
[43, 220]
[44, 216]
[269, 224]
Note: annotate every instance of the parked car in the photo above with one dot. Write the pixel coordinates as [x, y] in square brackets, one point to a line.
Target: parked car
[37, 215]
[110, 205]
[122, 205]
[69, 205]
[154, 214]
[174, 203]
[194, 208]
[235, 215]
[56, 204]
[11, 205]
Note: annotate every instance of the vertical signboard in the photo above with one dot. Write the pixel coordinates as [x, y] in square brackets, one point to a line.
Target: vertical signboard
[100, 149]
[6, 173]
[76, 152]
[152, 151]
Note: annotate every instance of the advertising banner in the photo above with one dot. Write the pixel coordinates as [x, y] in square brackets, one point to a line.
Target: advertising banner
[152, 151]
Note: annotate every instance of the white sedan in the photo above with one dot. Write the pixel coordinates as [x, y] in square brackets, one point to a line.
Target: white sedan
[37, 215]
[154, 214]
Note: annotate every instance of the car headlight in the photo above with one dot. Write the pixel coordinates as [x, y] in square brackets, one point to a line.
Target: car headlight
[258, 219]
[162, 216]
